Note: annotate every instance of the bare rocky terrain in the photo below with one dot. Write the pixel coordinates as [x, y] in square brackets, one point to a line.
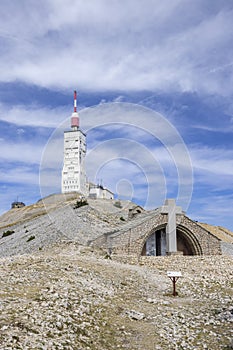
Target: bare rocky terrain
[54, 219]
[59, 293]
[71, 297]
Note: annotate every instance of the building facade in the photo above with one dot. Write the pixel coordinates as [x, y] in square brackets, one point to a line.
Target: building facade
[152, 234]
[73, 172]
[98, 191]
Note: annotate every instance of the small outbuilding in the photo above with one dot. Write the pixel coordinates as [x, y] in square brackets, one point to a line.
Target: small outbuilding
[17, 204]
[98, 191]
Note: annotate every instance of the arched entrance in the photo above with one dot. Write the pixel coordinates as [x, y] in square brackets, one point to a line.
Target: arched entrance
[187, 242]
[155, 243]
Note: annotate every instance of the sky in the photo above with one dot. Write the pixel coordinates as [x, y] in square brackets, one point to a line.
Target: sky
[155, 86]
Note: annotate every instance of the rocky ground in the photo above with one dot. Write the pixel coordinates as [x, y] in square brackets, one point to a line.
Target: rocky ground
[73, 298]
[44, 223]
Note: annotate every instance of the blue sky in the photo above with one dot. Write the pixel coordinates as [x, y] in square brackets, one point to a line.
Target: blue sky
[155, 88]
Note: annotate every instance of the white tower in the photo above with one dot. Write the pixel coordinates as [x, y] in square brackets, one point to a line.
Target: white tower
[73, 172]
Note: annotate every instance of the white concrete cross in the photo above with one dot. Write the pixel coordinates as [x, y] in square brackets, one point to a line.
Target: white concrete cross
[171, 209]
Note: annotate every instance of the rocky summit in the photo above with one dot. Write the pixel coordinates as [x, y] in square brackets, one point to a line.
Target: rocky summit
[58, 292]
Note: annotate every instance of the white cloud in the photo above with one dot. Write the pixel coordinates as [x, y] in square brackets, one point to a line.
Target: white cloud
[26, 152]
[31, 115]
[20, 175]
[225, 129]
[213, 209]
[20, 131]
[150, 45]
[215, 161]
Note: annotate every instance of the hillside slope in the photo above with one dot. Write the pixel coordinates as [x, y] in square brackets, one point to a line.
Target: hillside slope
[54, 219]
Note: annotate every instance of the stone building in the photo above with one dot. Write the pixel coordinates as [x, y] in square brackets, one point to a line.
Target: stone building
[164, 231]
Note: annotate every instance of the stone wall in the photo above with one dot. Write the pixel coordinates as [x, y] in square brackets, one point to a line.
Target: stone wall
[131, 241]
[205, 242]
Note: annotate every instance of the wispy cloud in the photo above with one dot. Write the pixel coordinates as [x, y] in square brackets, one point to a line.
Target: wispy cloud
[35, 116]
[21, 152]
[20, 174]
[216, 161]
[155, 46]
[213, 209]
[224, 129]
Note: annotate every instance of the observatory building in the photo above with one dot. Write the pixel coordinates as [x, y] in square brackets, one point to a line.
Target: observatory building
[74, 177]
[73, 172]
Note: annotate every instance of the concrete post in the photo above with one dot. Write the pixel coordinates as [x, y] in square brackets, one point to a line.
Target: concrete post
[171, 210]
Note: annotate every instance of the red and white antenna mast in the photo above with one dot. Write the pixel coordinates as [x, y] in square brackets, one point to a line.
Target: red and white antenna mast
[75, 118]
[75, 101]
